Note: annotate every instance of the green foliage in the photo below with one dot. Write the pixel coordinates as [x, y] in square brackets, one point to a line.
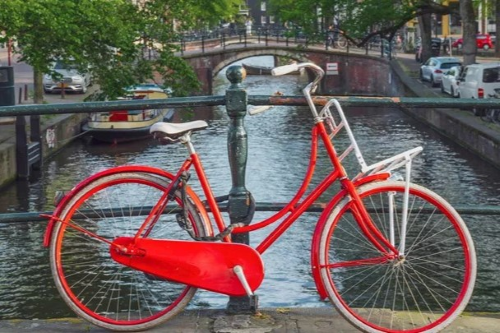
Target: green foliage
[114, 38]
[360, 20]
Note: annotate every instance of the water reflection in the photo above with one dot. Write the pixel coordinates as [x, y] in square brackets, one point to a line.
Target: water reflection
[277, 158]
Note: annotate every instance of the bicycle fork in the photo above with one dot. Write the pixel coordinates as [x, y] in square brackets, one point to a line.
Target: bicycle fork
[370, 230]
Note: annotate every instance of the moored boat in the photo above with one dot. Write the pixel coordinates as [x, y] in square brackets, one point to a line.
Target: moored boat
[256, 70]
[128, 125]
[260, 70]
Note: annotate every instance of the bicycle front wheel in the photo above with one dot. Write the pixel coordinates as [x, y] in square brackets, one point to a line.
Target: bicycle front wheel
[342, 42]
[422, 290]
[96, 287]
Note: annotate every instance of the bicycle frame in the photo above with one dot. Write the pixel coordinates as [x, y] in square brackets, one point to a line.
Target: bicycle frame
[294, 208]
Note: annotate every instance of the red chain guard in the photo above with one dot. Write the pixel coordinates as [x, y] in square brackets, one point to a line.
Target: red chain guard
[206, 265]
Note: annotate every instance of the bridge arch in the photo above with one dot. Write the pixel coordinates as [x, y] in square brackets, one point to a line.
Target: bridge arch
[356, 74]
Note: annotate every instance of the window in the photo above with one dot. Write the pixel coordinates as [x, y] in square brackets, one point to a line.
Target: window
[448, 65]
[263, 20]
[271, 19]
[491, 75]
[263, 6]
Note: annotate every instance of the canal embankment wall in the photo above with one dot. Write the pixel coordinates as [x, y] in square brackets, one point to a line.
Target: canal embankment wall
[461, 126]
[56, 132]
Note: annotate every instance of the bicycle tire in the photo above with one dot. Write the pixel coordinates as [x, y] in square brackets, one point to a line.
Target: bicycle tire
[341, 42]
[398, 295]
[94, 286]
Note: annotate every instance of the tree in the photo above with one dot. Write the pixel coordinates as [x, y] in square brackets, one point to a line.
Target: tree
[109, 38]
[424, 23]
[362, 20]
[469, 46]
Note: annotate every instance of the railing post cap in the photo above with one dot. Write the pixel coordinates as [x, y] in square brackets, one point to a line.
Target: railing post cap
[236, 74]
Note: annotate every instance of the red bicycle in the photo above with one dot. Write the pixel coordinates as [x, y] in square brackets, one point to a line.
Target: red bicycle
[129, 246]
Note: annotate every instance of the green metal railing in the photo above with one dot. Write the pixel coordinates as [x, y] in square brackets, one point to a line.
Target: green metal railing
[260, 206]
[201, 101]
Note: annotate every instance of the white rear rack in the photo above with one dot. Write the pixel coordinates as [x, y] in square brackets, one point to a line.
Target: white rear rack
[387, 165]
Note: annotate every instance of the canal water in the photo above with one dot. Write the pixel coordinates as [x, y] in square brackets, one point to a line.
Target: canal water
[277, 158]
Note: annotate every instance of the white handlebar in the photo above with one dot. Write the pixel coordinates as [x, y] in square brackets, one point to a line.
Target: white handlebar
[282, 70]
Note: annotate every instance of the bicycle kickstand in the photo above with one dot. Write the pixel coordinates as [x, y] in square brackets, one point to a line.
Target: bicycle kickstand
[238, 270]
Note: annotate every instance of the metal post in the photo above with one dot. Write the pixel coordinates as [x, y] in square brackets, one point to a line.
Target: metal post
[241, 205]
[63, 87]
[35, 147]
[23, 171]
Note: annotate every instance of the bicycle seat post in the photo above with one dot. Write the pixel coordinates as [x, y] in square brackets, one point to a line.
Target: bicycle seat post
[186, 141]
[241, 205]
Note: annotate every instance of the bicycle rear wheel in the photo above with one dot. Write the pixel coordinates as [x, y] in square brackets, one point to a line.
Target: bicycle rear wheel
[96, 287]
[424, 290]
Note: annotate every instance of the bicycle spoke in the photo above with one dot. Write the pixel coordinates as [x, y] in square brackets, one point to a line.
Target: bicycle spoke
[99, 288]
[417, 291]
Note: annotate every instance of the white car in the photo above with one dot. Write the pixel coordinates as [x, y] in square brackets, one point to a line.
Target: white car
[434, 67]
[449, 81]
[71, 79]
[480, 81]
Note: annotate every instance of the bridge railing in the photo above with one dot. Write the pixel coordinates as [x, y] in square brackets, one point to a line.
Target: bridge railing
[205, 39]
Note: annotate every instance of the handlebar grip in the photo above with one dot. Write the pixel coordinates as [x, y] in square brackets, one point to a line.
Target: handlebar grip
[259, 109]
[282, 70]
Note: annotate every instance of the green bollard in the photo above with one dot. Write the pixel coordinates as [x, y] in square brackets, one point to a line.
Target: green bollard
[241, 205]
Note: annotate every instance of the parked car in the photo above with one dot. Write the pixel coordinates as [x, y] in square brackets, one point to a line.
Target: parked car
[67, 76]
[483, 41]
[435, 47]
[479, 81]
[449, 81]
[434, 67]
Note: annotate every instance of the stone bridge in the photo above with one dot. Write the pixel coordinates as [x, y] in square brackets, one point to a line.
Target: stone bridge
[358, 73]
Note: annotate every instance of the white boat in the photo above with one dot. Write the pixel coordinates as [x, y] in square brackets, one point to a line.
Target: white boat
[128, 125]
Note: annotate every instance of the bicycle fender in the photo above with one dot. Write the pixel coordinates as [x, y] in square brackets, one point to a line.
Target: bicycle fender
[120, 169]
[315, 267]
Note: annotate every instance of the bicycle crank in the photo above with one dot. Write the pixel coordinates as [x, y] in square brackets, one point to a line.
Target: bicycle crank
[206, 265]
